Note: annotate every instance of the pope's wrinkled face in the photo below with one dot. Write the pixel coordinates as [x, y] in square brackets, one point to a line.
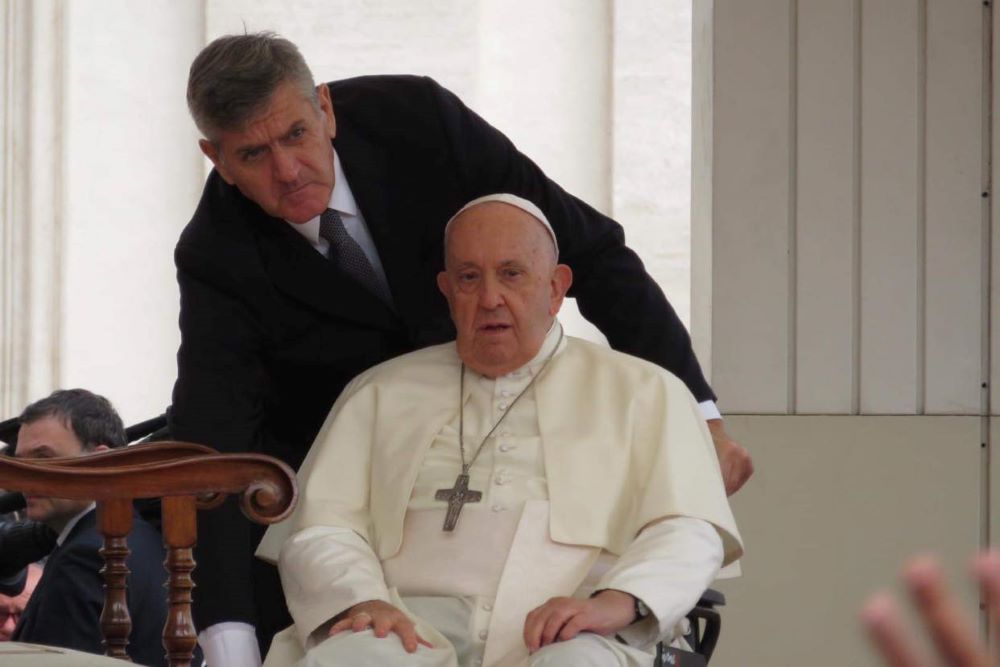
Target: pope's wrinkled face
[44, 438]
[503, 286]
[282, 159]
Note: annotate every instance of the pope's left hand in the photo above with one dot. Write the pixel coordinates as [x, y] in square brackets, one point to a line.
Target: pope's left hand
[561, 619]
[734, 459]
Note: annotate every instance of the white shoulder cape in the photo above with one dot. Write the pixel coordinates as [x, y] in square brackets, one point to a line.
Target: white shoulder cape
[624, 445]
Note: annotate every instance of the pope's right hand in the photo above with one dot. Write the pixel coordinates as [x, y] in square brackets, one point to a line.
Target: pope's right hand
[382, 618]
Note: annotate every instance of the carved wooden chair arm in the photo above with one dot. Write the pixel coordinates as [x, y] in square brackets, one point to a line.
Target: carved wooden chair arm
[265, 484]
[143, 454]
[153, 452]
[185, 476]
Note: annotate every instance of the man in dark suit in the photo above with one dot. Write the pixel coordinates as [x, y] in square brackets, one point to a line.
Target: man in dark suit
[65, 607]
[312, 256]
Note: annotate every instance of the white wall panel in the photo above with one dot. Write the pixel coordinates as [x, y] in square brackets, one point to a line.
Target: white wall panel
[516, 90]
[846, 218]
[133, 177]
[651, 138]
[43, 175]
[750, 295]
[837, 506]
[31, 189]
[825, 207]
[953, 204]
[890, 227]
[702, 180]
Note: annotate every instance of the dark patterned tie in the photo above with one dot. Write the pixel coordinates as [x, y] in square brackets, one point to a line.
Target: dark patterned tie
[349, 256]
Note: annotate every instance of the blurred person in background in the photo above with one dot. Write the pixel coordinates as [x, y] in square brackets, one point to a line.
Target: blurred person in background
[65, 607]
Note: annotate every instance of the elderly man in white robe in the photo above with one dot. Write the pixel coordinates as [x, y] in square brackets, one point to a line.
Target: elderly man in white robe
[517, 497]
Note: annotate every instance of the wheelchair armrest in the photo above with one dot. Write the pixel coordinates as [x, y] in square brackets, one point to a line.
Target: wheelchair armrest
[706, 625]
[708, 637]
[712, 598]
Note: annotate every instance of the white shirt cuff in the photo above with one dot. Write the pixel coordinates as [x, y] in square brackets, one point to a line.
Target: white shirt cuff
[230, 643]
[709, 410]
[668, 566]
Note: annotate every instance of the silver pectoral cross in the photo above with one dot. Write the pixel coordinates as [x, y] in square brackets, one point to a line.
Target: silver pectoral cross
[457, 496]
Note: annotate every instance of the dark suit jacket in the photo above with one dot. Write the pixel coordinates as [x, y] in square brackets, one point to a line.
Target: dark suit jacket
[271, 331]
[65, 609]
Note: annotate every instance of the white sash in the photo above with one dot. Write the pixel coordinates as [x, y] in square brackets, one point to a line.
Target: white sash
[536, 570]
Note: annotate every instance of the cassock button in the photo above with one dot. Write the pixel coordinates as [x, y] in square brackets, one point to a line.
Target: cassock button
[487, 606]
[498, 508]
[483, 634]
[502, 406]
[505, 447]
[505, 393]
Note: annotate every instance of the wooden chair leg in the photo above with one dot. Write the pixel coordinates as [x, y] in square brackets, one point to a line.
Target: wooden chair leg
[179, 536]
[114, 518]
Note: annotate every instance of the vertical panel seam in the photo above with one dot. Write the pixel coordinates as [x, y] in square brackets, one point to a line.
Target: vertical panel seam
[986, 232]
[25, 217]
[986, 287]
[920, 397]
[793, 181]
[856, 222]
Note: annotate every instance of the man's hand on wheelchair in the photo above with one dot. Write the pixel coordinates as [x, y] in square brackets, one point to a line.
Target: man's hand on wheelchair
[734, 459]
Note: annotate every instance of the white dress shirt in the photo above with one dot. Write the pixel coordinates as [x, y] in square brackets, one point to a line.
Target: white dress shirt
[64, 533]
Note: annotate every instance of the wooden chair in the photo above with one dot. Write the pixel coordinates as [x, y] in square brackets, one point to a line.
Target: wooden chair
[187, 477]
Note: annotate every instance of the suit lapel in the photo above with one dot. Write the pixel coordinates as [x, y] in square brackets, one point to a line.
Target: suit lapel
[26, 625]
[303, 274]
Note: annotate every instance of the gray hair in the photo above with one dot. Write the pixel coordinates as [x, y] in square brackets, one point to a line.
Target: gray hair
[91, 417]
[233, 78]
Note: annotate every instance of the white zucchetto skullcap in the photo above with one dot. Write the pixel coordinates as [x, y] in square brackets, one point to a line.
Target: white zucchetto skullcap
[519, 202]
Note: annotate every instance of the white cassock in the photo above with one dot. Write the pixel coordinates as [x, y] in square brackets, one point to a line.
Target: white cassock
[602, 475]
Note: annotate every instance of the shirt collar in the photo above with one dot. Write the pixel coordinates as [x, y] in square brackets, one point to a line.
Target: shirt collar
[341, 200]
[72, 523]
[342, 197]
